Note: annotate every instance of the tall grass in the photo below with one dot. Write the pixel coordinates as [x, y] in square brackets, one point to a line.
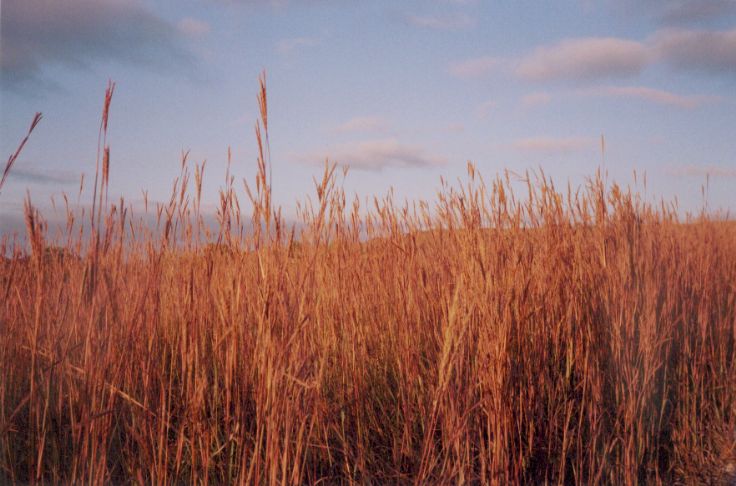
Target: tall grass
[488, 336]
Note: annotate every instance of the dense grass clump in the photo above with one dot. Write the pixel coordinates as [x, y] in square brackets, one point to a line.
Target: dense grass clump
[484, 337]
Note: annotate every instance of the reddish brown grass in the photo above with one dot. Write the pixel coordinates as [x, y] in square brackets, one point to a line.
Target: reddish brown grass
[560, 337]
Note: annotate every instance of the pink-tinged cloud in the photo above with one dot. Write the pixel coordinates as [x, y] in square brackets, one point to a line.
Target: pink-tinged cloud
[193, 27]
[474, 68]
[375, 155]
[552, 145]
[442, 22]
[532, 100]
[584, 59]
[703, 171]
[702, 50]
[652, 95]
[363, 124]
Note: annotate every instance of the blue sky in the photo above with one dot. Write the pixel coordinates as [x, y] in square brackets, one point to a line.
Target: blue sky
[402, 92]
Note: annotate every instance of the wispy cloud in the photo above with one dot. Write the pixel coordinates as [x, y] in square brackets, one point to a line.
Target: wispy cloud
[193, 27]
[697, 50]
[552, 145]
[652, 95]
[474, 68]
[595, 59]
[693, 11]
[362, 124]
[442, 22]
[375, 155]
[287, 46]
[36, 175]
[674, 12]
[532, 100]
[703, 171]
[584, 59]
[75, 33]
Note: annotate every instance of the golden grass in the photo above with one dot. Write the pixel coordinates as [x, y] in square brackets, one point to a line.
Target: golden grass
[559, 337]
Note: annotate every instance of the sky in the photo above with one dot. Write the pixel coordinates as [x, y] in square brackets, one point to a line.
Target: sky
[402, 92]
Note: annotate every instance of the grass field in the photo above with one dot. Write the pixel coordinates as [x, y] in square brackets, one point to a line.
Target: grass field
[490, 336]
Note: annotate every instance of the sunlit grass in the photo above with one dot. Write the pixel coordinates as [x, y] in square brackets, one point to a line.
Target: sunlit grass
[484, 337]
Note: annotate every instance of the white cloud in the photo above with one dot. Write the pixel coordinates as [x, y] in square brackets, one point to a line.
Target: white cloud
[652, 95]
[584, 59]
[474, 68]
[287, 46]
[193, 27]
[363, 124]
[552, 145]
[442, 22]
[375, 155]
